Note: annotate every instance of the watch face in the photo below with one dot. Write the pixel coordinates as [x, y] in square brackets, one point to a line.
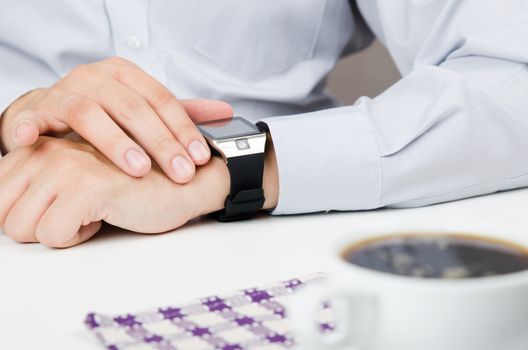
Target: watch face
[228, 128]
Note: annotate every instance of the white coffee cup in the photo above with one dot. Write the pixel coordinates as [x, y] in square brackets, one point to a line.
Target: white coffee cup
[381, 311]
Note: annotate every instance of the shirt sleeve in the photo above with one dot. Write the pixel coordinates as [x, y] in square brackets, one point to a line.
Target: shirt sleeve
[19, 72]
[455, 126]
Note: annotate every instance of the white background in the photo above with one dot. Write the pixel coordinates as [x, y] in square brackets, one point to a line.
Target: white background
[45, 293]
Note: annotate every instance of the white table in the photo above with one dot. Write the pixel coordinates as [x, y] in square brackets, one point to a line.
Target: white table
[45, 293]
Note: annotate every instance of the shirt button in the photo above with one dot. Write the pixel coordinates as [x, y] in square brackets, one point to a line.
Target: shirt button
[133, 42]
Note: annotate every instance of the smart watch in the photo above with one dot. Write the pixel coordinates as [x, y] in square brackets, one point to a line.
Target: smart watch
[241, 144]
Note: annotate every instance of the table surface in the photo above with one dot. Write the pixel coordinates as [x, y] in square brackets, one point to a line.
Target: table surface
[46, 293]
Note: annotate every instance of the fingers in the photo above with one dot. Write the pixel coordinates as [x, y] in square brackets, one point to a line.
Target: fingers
[134, 114]
[126, 114]
[12, 187]
[85, 233]
[24, 216]
[90, 120]
[62, 226]
[46, 198]
[168, 109]
[7, 163]
[206, 110]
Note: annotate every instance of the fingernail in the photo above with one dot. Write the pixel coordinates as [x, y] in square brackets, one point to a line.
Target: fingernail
[22, 129]
[136, 159]
[198, 151]
[182, 167]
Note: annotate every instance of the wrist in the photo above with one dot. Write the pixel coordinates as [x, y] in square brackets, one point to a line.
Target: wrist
[270, 181]
[213, 180]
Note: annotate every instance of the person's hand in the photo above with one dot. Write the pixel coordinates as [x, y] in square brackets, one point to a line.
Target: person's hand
[122, 111]
[57, 192]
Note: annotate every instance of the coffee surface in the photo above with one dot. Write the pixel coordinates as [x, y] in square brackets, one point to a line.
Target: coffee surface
[439, 256]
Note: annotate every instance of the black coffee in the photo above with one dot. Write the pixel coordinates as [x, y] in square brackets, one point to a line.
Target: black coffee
[439, 256]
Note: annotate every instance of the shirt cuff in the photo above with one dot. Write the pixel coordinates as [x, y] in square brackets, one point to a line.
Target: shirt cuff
[327, 160]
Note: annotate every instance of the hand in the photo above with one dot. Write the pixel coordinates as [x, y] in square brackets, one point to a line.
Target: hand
[58, 192]
[107, 101]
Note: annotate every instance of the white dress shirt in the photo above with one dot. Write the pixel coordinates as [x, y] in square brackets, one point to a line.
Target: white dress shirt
[455, 126]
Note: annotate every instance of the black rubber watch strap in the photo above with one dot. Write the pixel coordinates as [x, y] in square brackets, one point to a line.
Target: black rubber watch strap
[246, 196]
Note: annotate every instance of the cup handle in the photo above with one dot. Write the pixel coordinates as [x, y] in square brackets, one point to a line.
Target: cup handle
[356, 318]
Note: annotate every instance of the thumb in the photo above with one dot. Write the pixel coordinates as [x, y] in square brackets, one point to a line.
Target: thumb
[27, 126]
[61, 226]
[85, 233]
[201, 110]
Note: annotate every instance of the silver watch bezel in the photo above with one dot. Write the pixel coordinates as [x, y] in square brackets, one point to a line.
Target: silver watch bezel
[228, 147]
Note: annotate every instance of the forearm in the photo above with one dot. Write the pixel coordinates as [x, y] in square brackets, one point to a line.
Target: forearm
[453, 127]
[437, 135]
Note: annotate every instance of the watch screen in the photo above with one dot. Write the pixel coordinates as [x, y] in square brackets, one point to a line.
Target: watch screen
[228, 128]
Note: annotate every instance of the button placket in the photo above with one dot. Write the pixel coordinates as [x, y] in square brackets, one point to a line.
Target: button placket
[128, 20]
[133, 42]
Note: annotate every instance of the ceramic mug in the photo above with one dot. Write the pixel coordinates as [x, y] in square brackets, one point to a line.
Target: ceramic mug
[382, 311]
